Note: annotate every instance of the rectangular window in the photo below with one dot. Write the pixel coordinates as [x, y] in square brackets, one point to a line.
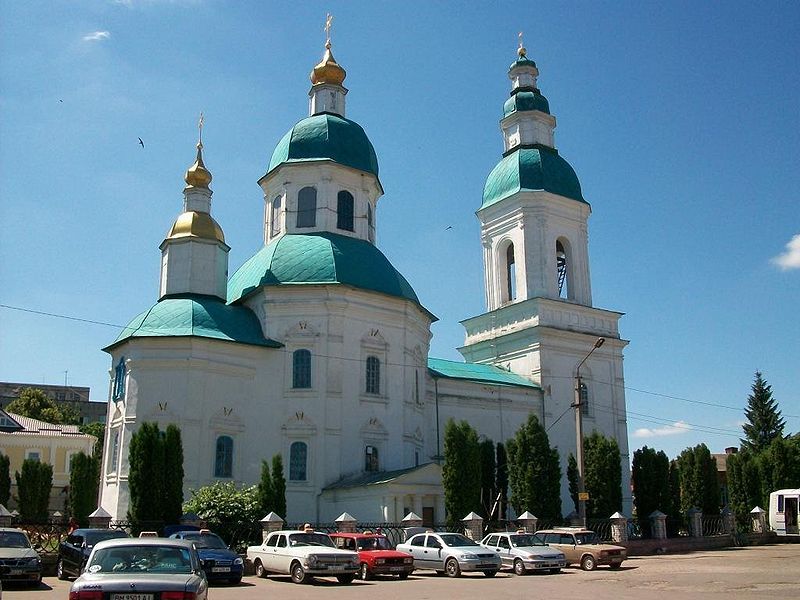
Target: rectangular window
[33, 455]
[301, 369]
[780, 503]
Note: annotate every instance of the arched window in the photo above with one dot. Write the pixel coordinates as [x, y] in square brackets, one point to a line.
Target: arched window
[223, 463]
[584, 399]
[301, 369]
[276, 215]
[298, 459]
[118, 390]
[370, 223]
[511, 274]
[344, 211]
[371, 459]
[562, 268]
[307, 207]
[373, 375]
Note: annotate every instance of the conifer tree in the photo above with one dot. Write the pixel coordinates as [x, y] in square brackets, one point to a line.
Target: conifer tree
[501, 484]
[146, 477]
[650, 480]
[173, 473]
[698, 480]
[488, 477]
[84, 480]
[534, 472]
[279, 486]
[764, 422]
[572, 480]
[5, 480]
[461, 472]
[603, 474]
[33, 490]
[266, 491]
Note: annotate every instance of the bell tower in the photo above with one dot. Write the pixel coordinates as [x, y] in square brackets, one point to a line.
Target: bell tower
[540, 321]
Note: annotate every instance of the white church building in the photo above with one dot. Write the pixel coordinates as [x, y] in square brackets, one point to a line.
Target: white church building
[316, 348]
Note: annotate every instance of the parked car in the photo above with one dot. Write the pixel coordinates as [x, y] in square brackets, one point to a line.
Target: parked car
[142, 569]
[583, 547]
[525, 552]
[219, 561]
[303, 555]
[18, 560]
[376, 555]
[74, 551]
[450, 553]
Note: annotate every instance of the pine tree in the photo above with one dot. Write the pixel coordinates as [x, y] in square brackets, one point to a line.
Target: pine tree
[146, 477]
[266, 491]
[172, 501]
[488, 477]
[534, 472]
[764, 419]
[33, 490]
[279, 486]
[461, 472]
[84, 480]
[5, 480]
[501, 481]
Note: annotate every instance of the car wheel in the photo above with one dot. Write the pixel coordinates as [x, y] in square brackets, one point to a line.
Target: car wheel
[588, 563]
[615, 565]
[519, 567]
[299, 573]
[346, 578]
[490, 573]
[60, 570]
[451, 568]
[260, 571]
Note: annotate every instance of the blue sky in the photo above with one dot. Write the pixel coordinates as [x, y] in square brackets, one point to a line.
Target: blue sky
[680, 118]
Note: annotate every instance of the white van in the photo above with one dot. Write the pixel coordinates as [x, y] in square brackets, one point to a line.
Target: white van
[783, 511]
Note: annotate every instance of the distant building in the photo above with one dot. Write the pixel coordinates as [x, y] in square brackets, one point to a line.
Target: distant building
[722, 474]
[70, 395]
[22, 438]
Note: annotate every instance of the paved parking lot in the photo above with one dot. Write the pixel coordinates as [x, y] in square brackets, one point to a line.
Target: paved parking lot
[732, 574]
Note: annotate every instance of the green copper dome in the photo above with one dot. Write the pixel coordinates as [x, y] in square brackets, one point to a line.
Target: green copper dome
[531, 169]
[522, 61]
[197, 316]
[526, 100]
[319, 259]
[326, 137]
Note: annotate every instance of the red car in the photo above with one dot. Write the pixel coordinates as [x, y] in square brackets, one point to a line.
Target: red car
[376, 554]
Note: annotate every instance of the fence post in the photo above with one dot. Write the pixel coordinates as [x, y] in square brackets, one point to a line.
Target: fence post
[619, 527]
[346, 523]
[695, 522]
[473, 523]
[271, 522]
[658, 523]
[759, 516]
[528, 522]
[728, 521]
[99, 519]
[5, 517]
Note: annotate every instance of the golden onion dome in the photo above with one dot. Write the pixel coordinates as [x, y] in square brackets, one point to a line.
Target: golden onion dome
[196, 224]
[197, 175]
[328, 70]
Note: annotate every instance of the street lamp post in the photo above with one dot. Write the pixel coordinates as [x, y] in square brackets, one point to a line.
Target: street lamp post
[579, 433]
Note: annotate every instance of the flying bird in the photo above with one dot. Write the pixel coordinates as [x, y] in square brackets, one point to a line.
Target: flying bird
[141, 142]
[448, 227]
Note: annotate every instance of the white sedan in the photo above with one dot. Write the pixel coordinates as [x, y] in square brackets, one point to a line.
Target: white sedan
[450, 553]
[303, 555]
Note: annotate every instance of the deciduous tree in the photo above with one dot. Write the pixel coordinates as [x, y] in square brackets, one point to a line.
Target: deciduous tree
[534, 472]
[35, 404]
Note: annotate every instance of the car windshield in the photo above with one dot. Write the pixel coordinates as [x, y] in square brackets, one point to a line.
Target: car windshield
[526, 539]
[456, 539]
[374, 543]
[590, 537]
[141, 559]
[205, 540]
[92, 537]
[311, 539]
[13, 539]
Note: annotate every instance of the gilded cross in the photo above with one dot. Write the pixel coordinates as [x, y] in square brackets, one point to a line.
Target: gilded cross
[519, 35]
[328, 21]
[200, 127]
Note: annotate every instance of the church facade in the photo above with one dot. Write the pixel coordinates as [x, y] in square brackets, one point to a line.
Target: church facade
[317, 348]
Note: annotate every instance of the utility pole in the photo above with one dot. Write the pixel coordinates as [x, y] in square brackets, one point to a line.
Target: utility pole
[582, 495]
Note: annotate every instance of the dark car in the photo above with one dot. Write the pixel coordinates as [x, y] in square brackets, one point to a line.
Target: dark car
[220, 563]
[74, 551]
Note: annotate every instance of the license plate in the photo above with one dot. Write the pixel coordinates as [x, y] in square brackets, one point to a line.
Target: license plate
[488, 566]
[220, 569]
[397, 568]
[15, 572]
[131, 596]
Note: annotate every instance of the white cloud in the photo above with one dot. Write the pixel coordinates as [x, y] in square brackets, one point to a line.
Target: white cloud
[677, 428]
[96, 36]
[791, 258]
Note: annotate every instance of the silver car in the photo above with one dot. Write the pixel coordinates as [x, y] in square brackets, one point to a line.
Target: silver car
[450, 553]
[142, 569]
[18, 560]
[525, 552]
